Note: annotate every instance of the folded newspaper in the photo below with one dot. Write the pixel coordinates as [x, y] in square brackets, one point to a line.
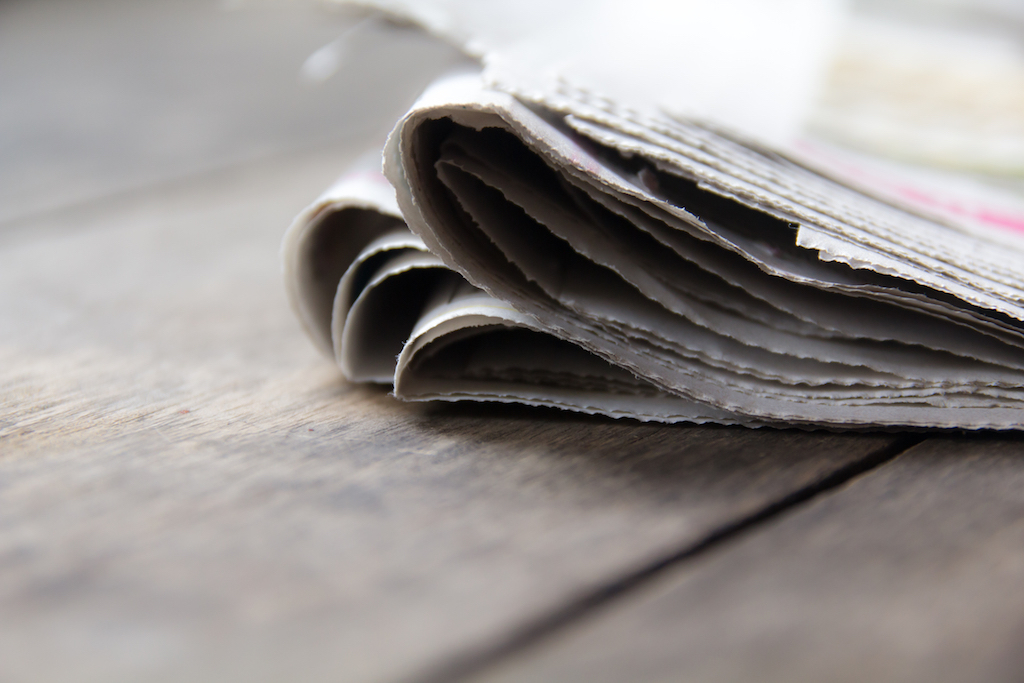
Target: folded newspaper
[563, 250]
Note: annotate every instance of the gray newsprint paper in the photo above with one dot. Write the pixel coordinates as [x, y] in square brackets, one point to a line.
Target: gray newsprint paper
[373, 297]
[556, 248]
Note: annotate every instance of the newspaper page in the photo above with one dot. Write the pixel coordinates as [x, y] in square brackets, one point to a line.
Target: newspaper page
[559, 248]
[390, 312]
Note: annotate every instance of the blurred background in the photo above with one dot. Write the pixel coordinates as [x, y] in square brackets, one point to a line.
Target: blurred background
[934, 82]
[103, 96]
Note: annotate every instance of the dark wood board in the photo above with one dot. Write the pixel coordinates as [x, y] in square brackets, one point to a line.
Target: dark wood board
[912, 572]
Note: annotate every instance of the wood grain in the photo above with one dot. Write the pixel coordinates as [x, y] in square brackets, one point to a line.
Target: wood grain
[187, 492]
[911, 573]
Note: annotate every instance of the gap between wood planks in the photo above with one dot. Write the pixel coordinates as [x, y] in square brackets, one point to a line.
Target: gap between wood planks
[470, 664]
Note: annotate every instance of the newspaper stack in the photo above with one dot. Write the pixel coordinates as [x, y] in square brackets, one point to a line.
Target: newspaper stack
[563, 250]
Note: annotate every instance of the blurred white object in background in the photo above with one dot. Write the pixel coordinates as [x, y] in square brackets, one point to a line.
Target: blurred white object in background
[935, 82]
[751, 65]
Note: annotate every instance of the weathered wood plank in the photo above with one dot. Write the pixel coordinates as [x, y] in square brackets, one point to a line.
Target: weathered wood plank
[188, 492]
[913, 572]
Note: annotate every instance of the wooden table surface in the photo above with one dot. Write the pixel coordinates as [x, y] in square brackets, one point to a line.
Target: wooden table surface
[188, 492]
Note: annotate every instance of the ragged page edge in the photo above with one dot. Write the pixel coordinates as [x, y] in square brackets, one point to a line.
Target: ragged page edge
[363, 186]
